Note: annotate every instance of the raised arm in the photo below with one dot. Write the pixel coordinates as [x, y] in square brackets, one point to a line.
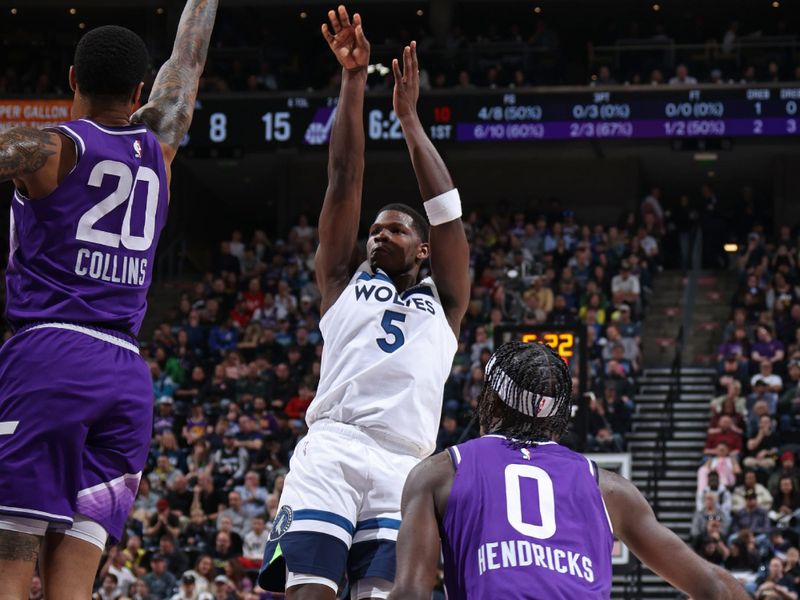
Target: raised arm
[341, 209]
[169, 111]
[449, 249]
[418, 545]
[659, 548]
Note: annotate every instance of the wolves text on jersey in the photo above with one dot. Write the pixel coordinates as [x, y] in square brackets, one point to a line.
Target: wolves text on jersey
[383, 293]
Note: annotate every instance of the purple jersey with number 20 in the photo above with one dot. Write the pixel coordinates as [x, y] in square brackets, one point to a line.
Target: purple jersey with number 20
[525, 523]
[84, 254]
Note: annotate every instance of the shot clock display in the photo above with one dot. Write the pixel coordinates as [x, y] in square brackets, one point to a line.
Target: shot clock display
[569, 342]
[305, 121]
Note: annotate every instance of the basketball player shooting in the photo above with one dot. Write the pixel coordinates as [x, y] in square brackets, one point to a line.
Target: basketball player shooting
[390, 339]
[76, 398]
[522, 517]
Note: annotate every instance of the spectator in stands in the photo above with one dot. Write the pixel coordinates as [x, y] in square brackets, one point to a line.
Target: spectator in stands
[751, 516]
[744, 555]
[766, 347]
[726, 467]
[601, 436]
[709, 511]
[203, 573]
[625, 287]
[725, 433]
[760, 397]
[109, 590]
[786, 503]
[762, 448]
[731, 405]
[114, 569]
[711, 545]
[253, 495]
[775, 585]
[255, 541]
[229, 463]
[732, 368]
[721, 494]
[176, 559]
[787, 469]
[682, 76]
[236, 513]
[750, 485]
[164, 522]
[774, 382]
[159, 581]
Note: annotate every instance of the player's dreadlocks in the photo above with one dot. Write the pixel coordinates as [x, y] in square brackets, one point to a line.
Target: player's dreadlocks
[526, 394]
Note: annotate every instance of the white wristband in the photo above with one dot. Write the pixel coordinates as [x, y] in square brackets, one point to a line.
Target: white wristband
[444, 208]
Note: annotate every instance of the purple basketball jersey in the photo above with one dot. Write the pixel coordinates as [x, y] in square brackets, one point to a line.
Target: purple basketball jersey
[526, 523]
[84, 254]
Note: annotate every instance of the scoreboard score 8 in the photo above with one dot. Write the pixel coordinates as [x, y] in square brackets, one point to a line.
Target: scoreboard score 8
[568, 341]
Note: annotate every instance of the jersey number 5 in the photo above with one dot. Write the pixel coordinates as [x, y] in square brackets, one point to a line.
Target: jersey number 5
[125, 191]
[547, 503]
[392, 330]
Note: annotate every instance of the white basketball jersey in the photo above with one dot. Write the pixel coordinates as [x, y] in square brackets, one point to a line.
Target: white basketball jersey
[386, 358]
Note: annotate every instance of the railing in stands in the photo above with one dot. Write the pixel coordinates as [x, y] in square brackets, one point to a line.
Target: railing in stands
[169, 264]
[674, 392]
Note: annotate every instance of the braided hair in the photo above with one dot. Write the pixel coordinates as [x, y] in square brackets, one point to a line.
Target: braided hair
[526, 394]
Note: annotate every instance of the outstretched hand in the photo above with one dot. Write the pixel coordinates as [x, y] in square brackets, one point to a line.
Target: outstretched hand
[406, 84]
[347, 41]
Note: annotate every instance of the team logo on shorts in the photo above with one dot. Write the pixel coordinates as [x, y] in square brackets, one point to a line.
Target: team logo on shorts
[283, 520]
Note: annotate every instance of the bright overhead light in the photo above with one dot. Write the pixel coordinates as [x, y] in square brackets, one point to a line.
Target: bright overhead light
[537, 9]
[304, 15]
[81, 25]
[159, 11]
[420, 12]
[776, 4]
[730, 248]
[73, 11]
[656, 7]
[13, 11]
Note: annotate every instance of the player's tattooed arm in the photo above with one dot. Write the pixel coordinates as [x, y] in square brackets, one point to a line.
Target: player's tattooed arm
[659, 548]
[449, 250]
[169, 110]
[336, 257]
[24, 151]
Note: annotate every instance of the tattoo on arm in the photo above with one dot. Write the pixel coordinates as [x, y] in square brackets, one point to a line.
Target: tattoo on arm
[24, 150]
[171, 106]
[18, 546]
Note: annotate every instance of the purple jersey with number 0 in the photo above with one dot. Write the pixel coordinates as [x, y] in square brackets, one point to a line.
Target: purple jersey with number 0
[525, 524]
[85, 253]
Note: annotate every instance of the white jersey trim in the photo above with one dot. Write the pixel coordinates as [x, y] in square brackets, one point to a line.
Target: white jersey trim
[90, 332]
[31, 511]
[109, 484]
[77, 137]
[112, 132]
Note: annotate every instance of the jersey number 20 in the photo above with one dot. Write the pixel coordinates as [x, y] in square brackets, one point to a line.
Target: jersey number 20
[126, 189]
[547, 503]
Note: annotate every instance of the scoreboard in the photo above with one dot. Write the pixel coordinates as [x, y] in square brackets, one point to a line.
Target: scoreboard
[268, 122]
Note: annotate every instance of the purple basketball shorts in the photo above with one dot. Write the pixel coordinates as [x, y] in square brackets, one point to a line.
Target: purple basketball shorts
[76, 411]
